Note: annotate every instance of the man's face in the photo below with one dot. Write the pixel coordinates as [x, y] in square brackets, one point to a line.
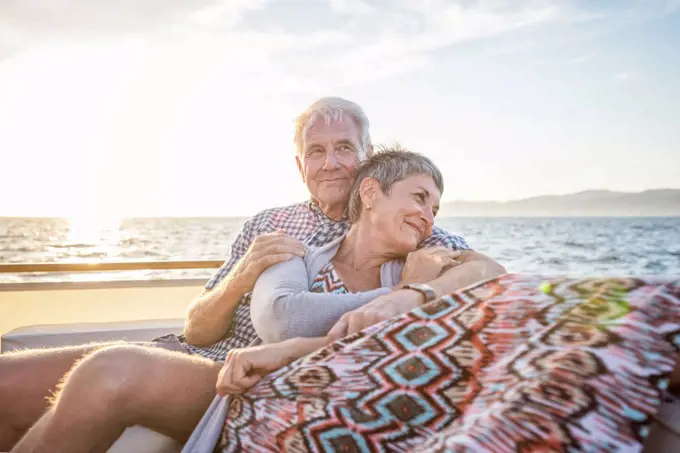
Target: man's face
[329, 159]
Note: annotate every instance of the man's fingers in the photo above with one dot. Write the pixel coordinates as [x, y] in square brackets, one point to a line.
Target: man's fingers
[444, 252]
[451, 264]
[433, 249]
[292, 248]
[278, 245]
[267, 237]
[270, 260]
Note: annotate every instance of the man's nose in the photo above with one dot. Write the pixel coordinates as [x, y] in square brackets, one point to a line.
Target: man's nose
[331, 161]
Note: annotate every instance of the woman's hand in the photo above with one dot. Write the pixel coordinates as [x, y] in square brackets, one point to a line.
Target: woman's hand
[244, 367]
[427, 264]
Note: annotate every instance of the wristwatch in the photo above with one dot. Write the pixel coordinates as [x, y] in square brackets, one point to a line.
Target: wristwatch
[422, 288]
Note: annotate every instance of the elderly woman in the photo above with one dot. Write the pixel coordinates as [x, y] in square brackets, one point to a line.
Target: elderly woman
[518, 363]
[392, 207]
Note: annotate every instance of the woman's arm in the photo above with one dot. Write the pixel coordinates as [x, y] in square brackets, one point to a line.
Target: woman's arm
[282, 307]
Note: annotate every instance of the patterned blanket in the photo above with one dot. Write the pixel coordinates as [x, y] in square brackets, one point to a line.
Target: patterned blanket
[520, 363]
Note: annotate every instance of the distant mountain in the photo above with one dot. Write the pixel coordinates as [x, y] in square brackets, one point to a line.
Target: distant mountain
[658, 202]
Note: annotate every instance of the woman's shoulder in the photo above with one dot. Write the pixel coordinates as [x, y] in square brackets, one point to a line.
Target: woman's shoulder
[317, 257]
[323, 253]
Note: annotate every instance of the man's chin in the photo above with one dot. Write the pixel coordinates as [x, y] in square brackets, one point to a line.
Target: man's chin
[333, 198]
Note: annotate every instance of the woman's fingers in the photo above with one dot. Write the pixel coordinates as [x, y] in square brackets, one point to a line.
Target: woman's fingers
[247, 382]
[224, 378]
[237, 375]
[339, 330]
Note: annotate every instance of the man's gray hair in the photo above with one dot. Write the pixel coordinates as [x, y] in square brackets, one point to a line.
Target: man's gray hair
[333, 109]
[387, 166]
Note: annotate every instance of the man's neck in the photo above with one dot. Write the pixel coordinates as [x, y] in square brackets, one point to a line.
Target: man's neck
[333, 212]
[361, 249]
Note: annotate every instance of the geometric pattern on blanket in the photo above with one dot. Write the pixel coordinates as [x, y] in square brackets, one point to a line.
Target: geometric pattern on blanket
[519, 363]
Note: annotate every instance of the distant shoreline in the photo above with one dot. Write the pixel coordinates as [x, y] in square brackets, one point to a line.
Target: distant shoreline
[591, 203]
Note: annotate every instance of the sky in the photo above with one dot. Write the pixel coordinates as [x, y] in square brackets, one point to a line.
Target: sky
[175, 108]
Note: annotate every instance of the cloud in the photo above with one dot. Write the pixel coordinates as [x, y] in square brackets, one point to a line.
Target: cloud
[24, 23]
[661, 7]
[109, 16]
[581, 59]
[353, 7]
[400, 36]
[349, 42]
[622, 76]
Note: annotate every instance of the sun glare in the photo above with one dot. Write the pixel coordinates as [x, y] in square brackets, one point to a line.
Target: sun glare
[90, 230]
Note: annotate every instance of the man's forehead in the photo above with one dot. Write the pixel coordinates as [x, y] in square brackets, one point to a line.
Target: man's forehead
[344, 128]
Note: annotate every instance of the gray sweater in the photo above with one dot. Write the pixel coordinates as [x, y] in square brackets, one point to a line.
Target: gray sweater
[283, 307]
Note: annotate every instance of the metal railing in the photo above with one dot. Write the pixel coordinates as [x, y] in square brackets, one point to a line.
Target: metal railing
[10, 268]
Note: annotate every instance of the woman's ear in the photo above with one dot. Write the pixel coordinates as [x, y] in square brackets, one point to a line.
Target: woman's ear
[368, 191]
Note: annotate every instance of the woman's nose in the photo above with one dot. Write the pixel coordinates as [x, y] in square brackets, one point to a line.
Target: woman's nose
[428, 217]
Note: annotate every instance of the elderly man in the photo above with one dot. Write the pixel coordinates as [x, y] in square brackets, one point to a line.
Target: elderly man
[168, 391]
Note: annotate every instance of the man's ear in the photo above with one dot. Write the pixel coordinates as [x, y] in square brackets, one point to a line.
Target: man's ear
[298, 161]
[368, 191]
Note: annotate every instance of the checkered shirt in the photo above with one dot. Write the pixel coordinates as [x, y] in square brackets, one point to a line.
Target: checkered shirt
[308, 224]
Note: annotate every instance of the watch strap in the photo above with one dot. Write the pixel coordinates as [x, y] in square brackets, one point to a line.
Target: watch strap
[426, 290]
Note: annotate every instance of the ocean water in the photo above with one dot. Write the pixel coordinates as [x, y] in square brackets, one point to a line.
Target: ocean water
[567, 246]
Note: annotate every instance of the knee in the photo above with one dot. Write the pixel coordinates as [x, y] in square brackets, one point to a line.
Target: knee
[106, 376]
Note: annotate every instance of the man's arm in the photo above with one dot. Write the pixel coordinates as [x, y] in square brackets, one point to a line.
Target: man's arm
[210, 313]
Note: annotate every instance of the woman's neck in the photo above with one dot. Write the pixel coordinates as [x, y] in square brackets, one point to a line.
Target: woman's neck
[360, 250]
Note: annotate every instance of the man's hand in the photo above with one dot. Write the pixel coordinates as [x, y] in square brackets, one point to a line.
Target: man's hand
[265, 251]
[428, 263]
[379, 309]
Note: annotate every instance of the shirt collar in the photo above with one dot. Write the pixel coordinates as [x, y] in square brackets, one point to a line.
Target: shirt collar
[322, 218]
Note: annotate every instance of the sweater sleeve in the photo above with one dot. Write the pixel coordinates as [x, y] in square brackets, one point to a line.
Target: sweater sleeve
[283, 307]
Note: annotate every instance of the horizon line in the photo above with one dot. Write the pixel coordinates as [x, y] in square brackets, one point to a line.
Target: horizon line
[242, 215]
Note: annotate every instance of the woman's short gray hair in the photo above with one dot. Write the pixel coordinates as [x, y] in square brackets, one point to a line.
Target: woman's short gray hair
[387, 166]
[332, 109]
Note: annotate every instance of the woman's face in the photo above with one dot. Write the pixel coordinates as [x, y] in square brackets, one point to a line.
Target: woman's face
[405, 216]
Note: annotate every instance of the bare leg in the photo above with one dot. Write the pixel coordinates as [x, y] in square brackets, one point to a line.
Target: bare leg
[120, 386]
[27, 381]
